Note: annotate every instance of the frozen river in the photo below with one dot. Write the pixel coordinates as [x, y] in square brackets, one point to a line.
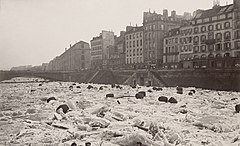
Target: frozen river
[27, 118]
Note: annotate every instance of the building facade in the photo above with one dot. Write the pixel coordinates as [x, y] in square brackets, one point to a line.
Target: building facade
[117, 52]
[100, 46]
[236, 29]
[76, 58]
[155, 26]
[213, 37]
[134, 46]
[186, 46]
[171, 49]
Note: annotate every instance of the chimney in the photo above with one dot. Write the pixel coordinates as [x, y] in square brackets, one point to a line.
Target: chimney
[65, 49]
[173, 14]
[165, 13]
[70, 45]
[122, 33]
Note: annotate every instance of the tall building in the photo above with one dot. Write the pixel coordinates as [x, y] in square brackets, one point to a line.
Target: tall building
[100, 49]
[186, 45]
[236, 28]
[212, 37]
[134, 46]
[117, 52]
[155, 25]
[171, 49]
[76, 58]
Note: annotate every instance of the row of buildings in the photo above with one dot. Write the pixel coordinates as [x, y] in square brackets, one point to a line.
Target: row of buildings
[208, 39]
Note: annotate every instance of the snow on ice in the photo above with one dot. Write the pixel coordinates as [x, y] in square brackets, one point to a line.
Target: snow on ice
[38, 112]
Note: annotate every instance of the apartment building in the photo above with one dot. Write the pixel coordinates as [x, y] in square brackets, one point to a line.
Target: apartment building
[155, 26]
[186, 45]
[100, 49]
[171, 49]
[134, 46]
[212, 37]
[76, 58]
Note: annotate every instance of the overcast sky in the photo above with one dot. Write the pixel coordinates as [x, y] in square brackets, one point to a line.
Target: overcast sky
[33, 32]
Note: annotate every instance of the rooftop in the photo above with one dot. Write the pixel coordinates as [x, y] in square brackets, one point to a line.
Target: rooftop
[216, 10]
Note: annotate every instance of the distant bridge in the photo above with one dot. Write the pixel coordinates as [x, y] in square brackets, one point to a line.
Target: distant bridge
[209, 79]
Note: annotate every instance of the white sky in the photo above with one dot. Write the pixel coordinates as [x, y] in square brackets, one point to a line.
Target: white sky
[33, 32]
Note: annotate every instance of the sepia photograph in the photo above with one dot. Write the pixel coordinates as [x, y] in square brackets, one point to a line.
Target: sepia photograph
[119, 72]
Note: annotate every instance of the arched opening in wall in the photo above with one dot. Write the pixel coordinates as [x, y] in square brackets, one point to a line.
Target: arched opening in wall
[227, 55]
[211, 63]
[210, 56]
[204, 63]
[219, 62]
[219, 55]
[228, 63]
[195, 57]
[204, 56]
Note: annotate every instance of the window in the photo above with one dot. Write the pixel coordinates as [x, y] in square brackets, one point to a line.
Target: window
[237, 24]
[166, 41]
[210, 35]
[140, 42]
[130, 37]
[176, 40]
[203, 38]
[196, 40]
[214, 18]
[140, 34]
[133, 36]
[218, 26]
[210, 28]
[196, 30]
[218, 37]
[203, 48]
[223, 16]
[199, 21]
[237, 44]
[190, 39]
[137, 43]
[210, 48]
[227, 25]
[227, 46]
[218, 47]
[237, 34]
[203, 28]
[229, 15]
[196, 49]
[133, 43]
[227, 35]
[190, 48]
[206, 20]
